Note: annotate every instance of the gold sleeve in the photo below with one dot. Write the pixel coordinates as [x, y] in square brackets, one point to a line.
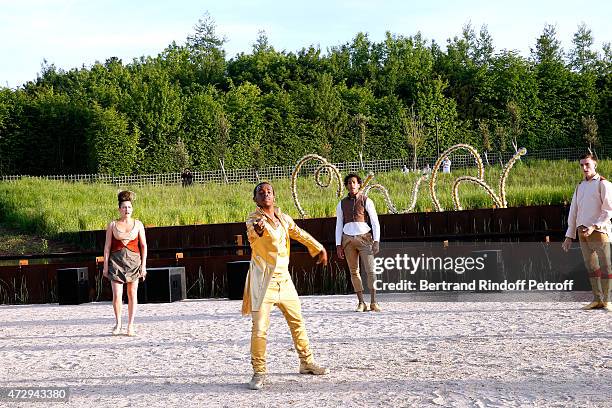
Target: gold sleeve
[304, 238]
[252, 236]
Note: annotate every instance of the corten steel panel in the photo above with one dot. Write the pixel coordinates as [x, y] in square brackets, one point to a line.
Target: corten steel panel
[97, 238]
[40, 279]
[529, 219]
[553, 218]
[423, 225]
[222, 234]
[163, 237]
[174, 236]
[505, 221]
[436, 225]
[197, 236]
[538, 221]
[38, 284]
[461, 224]
[322, 229]
[10, 276]
[392, 226]
[154, 237]
[483, 222]
[309, 277]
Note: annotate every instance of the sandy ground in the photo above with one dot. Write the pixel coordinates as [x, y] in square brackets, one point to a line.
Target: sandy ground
[196, 353]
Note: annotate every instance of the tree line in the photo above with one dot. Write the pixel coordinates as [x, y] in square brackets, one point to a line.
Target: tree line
[405, 96]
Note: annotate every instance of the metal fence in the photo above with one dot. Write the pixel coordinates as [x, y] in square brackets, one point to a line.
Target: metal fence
[458, 159]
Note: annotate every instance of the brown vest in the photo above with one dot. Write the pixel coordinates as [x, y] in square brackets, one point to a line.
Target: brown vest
[354, 209]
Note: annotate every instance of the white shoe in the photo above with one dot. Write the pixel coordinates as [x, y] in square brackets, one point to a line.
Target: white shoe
[257, 382]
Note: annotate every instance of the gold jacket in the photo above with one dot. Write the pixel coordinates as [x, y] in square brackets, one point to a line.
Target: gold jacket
[264, 254]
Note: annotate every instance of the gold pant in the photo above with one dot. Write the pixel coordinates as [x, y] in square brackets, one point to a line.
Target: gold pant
[596, 253]
[283, 295]
[359, 247]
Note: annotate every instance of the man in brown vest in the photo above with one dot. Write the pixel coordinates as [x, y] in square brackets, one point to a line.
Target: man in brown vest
[356, 240]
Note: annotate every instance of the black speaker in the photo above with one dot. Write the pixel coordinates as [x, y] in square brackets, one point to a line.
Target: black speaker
[72, 286]
[163, 285]
[236, 273]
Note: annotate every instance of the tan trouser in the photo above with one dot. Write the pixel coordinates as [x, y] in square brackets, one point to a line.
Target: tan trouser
[596, 253]
[283, 295]
[356, 247]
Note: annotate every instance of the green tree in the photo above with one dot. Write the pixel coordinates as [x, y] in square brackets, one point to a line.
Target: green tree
[245, 113]
[113, 146]
[516, 124]
[155, 107]
[554, 90]
[200, 128]
[322, 107]
[182, 160]
[589, 125]
[582, 57]
[222, 140]
[604, 92]
[361, 124]
[415, 132]
[206, 51]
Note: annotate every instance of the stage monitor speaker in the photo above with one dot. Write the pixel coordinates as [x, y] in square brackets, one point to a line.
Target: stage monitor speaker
[163, 285]
[72, 286]
[236, 273]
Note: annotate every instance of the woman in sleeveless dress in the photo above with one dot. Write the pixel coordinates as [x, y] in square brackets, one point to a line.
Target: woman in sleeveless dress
[125, 259]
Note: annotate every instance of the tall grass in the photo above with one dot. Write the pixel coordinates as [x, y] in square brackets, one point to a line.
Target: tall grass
[50, 208]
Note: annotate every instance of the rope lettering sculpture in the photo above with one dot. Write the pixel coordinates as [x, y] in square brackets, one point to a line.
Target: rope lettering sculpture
[326, 166]
[390, 206]
[334, 174]
[500, 201]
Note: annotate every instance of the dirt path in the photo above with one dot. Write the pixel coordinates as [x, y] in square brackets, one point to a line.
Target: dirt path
[196, 353]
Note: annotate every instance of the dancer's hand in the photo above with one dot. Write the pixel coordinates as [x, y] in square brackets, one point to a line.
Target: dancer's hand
[587, 231]
[375, 247]
[567, 243]
[143, 273]
[340, 251]
[322, 258]
[259, 226]
[105, 273]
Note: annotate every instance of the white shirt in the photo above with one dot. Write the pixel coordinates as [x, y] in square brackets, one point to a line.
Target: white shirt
[446, 166]
[357, 228]
[591, 205]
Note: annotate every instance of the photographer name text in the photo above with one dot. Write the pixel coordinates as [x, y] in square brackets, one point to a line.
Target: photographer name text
[482, 284]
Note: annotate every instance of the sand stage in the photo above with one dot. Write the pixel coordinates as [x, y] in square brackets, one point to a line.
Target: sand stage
[196, 353]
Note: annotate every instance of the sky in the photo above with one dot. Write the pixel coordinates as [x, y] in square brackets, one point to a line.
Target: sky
[75, 33]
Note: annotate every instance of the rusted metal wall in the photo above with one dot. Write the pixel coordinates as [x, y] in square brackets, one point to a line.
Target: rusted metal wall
[207, 248]
[528, 223]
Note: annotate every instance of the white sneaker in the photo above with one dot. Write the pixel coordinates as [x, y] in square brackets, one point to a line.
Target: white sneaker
[257, 382]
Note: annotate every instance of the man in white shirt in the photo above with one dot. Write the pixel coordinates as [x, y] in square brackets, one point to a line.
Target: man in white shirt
[356, 240]
[590, 214]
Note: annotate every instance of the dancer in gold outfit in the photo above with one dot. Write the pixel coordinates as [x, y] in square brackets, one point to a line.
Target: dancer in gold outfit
[269, 284]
